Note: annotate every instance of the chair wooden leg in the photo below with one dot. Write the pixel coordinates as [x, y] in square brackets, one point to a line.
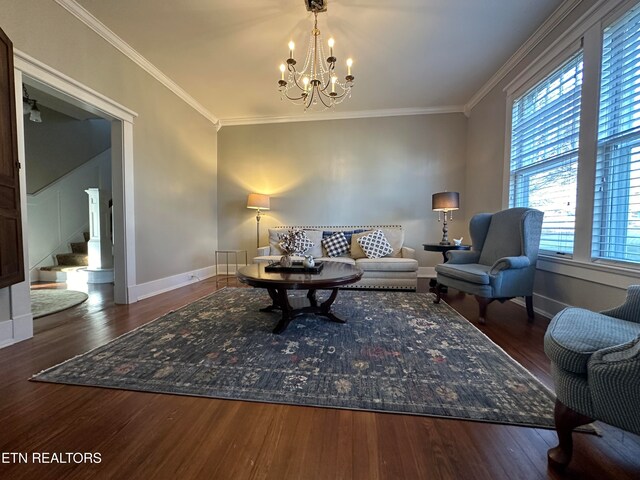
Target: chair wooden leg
[529, 302]
[483, 302]
[566, 421]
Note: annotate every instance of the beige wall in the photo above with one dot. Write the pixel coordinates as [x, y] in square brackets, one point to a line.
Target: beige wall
[174, 146]
[485, 175]
[342, 172]
[60, 144]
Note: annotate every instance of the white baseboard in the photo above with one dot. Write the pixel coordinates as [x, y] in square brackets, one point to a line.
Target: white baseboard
[223, 268]
[6, 333]
[16, 330]
[545, 306]
[156, 287]
[23, 327]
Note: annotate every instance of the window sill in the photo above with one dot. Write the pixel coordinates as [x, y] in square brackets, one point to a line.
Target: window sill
[605, 274]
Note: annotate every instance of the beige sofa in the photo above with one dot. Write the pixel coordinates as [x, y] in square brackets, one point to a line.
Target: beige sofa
[399, 270]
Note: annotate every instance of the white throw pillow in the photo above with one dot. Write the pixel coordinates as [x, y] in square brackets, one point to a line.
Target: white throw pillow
[375, 245]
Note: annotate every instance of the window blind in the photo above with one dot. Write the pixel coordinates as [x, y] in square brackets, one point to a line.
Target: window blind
[616, 227]
[544, 152]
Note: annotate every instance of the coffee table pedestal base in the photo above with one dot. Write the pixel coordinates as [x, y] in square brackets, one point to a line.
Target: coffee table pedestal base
[280, 301]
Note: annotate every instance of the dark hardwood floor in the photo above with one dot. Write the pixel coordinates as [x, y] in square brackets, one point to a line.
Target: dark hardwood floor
[154, 436]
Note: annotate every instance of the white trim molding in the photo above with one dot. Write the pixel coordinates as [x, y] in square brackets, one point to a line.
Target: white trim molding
[314, 117]
[605, 274]
[53, 78]
[122, 158]
[549, 24]
[105, 32]
[162, 285]
[544, 306]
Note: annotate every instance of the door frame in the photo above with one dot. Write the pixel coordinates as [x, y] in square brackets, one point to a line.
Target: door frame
[52, 81]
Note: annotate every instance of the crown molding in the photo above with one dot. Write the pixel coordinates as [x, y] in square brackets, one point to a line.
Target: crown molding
[314, 117]
[101, 29]
[59, 81]
[547, 26]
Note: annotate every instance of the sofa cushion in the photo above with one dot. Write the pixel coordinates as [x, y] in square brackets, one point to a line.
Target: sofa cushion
[575, 334]
[375, 245]
[395, 236]
[468, 272]
[336, 244]
[387, 264]
[316, 237]
[356, 250]
[274, 241]
[347, 260]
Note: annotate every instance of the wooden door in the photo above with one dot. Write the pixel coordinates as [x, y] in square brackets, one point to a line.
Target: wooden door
[11, 261]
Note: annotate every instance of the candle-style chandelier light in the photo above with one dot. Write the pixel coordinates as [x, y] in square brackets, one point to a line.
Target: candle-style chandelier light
[317, 83]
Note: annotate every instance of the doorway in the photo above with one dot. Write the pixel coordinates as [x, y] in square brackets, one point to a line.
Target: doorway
[53, 83]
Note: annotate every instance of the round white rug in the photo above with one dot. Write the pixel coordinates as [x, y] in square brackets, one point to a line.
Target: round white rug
[48, 301]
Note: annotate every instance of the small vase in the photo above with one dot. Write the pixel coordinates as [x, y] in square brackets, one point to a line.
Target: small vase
[285, 260]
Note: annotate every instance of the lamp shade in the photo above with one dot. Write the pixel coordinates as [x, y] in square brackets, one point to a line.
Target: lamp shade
[445, 201]
[258, 201]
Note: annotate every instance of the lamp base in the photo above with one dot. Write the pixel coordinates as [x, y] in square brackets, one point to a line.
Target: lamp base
[445, 232]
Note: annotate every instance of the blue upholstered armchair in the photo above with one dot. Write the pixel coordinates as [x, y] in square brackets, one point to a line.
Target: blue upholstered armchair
[595, 363]
[502, 261]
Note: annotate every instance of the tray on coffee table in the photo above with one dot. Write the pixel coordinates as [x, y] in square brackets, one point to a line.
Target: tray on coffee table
[296, 267]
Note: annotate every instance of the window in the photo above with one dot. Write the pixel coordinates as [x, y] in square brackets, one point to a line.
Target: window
[616, 219]
[544, 153]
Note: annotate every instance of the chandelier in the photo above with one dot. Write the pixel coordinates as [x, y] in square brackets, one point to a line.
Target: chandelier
[316, 84]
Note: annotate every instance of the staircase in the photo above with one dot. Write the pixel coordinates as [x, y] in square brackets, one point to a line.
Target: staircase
[68, 264]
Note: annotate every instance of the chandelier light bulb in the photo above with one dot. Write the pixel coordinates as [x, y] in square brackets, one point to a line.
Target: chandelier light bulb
[292, 47]
[334, 79]
[349, 64]
[282, 67]
[331, 42]
[305, 82]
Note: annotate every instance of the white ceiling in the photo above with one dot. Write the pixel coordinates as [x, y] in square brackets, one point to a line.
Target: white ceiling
[408, 54]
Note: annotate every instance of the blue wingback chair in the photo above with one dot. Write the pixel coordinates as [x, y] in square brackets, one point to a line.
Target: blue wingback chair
[595, 363]
[502, 261]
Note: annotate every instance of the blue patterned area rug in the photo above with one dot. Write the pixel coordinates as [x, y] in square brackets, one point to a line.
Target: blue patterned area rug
[398, 352]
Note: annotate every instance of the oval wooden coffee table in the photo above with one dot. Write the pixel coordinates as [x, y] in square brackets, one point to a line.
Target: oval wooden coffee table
[332, 276]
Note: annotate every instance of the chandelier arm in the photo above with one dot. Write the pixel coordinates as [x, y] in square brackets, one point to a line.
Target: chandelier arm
[322, 97]
[326, 84]
[308, 103]
[295, 81]
[293, 98]
[335, 97]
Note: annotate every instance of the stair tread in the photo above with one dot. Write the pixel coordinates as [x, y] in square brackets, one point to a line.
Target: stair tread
[79, 247]
[62, 268]
[73, 259]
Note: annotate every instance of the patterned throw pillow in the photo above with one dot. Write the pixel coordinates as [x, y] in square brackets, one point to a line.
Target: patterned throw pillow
[336, 244]
[375, 245]
[295, 242]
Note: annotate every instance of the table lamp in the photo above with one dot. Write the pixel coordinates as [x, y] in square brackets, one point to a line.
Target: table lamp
[258, 202]
[445, 202]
